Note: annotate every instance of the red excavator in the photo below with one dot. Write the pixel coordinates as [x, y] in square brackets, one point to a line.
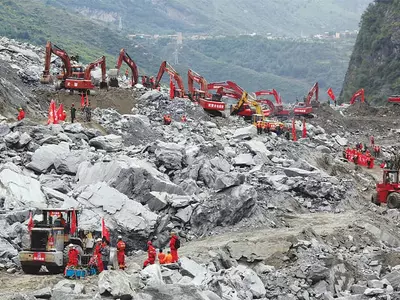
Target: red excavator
[209, 103]
[70, 72]
[85, 84]
[166, 67]
[275, 109]
[394, 99]
[306, 108]
[358, 94]
[113, 73]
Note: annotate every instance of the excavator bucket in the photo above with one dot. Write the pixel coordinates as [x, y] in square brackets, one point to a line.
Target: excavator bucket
[113, 75]
[46, 79]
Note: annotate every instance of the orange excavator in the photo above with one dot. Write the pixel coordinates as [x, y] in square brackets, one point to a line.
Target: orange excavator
[202, 96]
[70, 73]
[306, 108]
[275, 109]
[166, 67]
[113, 73]
[358, 94]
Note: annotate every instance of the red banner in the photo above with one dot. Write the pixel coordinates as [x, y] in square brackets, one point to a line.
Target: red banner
[104, 231]
[294, 130]
[304, 129]
[331, 94]
[30, 222]
[73, 222]
[52, 119]
[60, 112]
[360, 158]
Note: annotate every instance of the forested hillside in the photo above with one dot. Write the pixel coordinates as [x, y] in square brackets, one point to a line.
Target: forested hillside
[375, 62]
[279, 17]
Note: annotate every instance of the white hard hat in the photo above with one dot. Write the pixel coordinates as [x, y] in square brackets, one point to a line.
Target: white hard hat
[99, 240]
[71, 245]
[119, 237]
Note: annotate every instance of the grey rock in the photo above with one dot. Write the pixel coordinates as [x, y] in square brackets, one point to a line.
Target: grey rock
[74, 128]
[323, 149]
[170, 155]
[118, 283]
[358, 289]
[153, 276]
[156, 200]
[4, 130]
[244, 160]
[110, 143]
[394, 279]
[224, 181]
[341, 141]
[12, 137]
[24, 140]
[44, 293]
[373, 291]
[245, 133]
[221, 164]
[44, 157]
[184, 214]
[68, 162]
[191, 268]
[317, 273]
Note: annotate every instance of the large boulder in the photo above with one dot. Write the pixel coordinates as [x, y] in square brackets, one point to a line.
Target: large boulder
[110, 143]
[245, 133]
[258, 147]
[170, 155]
[7, 251]
[68, 162]
[224, 181]
[45, 156]
[118, 283]
[245, 159]
[19, 190]
[224, 208]
[131, 176]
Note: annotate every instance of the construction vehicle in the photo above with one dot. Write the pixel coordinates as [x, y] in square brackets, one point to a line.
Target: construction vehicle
[305, 108]
[202, 96]
[71, 72]
[356, 95]
[394, 99]
[275, 109]
[85, 84]
[243, 108]
[114, 73]
[49, 241]
[388, 191]
[166, 67]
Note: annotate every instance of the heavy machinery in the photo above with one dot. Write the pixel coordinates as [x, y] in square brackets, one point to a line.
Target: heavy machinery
[394, 99]
[388, 191]
[356, 95]
[275, 109]
[210, 104]
[113, 73]
[306, 108]
[166, 67]
[71, 73]
[228, 88]
[49, 240]
[242, 108]
[85, 84]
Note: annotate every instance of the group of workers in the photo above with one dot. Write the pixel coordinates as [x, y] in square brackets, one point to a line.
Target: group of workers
[167, 119]
[170, 257]
[265, 127]
[355, 155]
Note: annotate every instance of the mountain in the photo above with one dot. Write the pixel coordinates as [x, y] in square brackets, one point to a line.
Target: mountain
[279, 17]
[375, 62]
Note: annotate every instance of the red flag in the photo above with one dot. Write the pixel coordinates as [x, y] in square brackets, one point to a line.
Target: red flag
[60, 112]
[73, 222]
[294, 130]
[304, 129]
[30, 222]
[171, 88]
[104, 231]
[82, 100]
[52, 119]
[331, 94]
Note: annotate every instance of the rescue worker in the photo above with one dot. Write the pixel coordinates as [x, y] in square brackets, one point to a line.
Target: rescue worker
[161, 257]
[60, 221]
[73, 112]
[64, 116]
[105, 253]
[183, 119]
[73, 257]
[151, 252]
[21, 114]
[121, 253]
[97, 255]
[372, 140]
[168, 258]
[259, 127]
[174, 244]
[167, 119]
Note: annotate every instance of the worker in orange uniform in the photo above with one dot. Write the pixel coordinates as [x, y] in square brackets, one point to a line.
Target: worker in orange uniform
[151, 251]
[73, 257]
[167, 119]
[121, 253]
[183, 119]
[259, 126]
[161, 257]
[21, 114]
[168, 258]
[174, 245]
[97, 255]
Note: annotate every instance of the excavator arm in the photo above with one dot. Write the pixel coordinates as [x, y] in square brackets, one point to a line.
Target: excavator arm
[123, 57]
[359, 93]
[100, 62]
[166, 67]
[313, 91]
[53, 49]
[195, 77]
[243, 100]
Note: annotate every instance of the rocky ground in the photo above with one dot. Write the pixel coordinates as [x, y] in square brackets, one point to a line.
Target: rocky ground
[259, 217]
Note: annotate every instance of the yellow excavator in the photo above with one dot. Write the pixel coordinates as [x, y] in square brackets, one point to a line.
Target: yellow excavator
[242, 108]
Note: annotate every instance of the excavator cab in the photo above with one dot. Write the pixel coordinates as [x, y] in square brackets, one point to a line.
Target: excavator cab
[388, 191]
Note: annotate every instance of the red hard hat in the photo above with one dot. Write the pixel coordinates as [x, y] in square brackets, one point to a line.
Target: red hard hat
[149, 243]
